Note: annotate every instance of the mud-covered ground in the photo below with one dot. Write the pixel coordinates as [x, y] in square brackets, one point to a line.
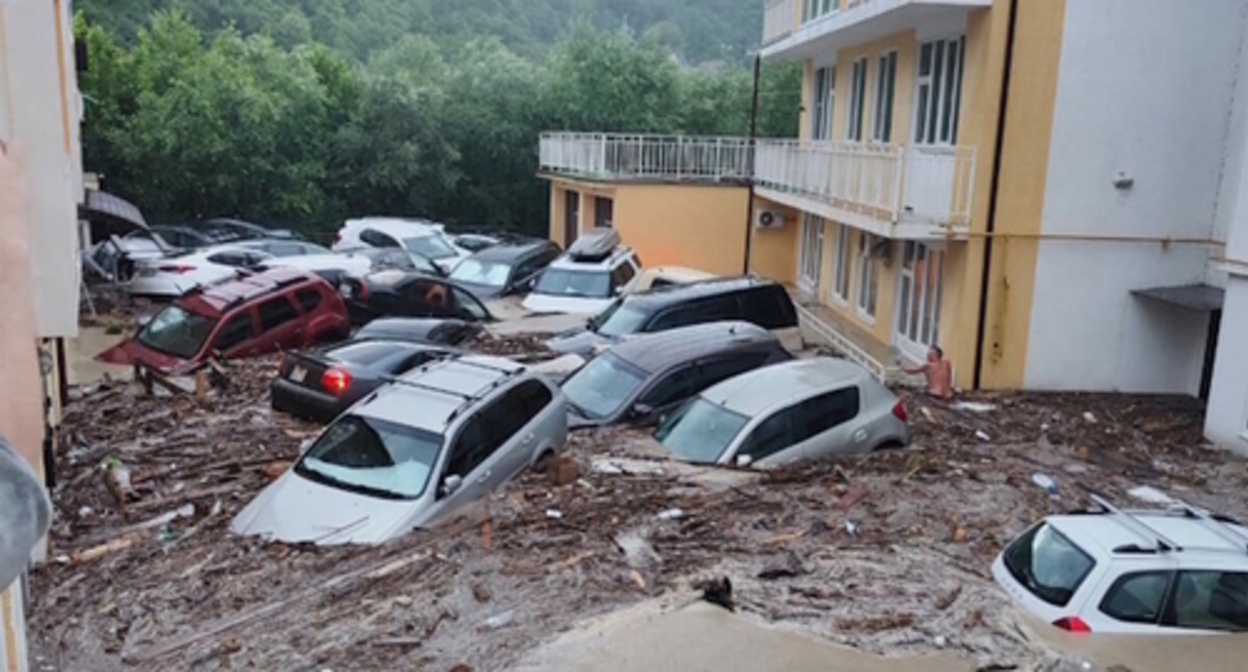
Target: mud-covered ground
[889, 554]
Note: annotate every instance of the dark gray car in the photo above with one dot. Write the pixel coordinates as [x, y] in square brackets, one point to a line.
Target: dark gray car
[642, 378]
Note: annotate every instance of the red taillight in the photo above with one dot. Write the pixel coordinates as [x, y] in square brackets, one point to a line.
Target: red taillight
[899, 410]
[1072, 624]
[175, 269]
[336, 381]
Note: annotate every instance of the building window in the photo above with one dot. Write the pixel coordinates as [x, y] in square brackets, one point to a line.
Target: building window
[919, 295]
[811, 257]
[885, 81]
[571, 217]
[938, 92]
[812, 9]
[604, 212]
[841, 264]
[824, 101]
[857, 97]
[868, 274]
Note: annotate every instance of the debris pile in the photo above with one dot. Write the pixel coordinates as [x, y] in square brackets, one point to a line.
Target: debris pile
[888, 553]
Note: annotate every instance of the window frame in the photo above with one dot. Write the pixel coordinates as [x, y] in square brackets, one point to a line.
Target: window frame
[226, 322]
[857, 99]
[1169, 618]
[823, 109]
[1127, 577]
[867, 288]
[885, 97]
[920, 296]
[937, 92]
[303, 303]
[842, 265]
[810, 253]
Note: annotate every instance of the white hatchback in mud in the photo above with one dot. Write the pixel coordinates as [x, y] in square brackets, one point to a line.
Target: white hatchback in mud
[1170, 571]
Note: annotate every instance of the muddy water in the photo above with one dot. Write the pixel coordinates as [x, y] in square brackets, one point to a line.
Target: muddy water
[1119, 653]
[701, 636]
[81, 352]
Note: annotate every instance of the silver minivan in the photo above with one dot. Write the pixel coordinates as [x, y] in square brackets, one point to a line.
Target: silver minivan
[410, 454]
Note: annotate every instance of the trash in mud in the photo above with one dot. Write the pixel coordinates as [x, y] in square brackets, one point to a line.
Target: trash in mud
[717, 592]
[973, 407]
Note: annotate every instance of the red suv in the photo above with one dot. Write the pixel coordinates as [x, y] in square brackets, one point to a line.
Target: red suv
[270, 311]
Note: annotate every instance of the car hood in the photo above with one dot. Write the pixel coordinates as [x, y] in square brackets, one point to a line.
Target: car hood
[448, 264]
[131, 351]
[581, 342]
[294, 509]
[575, 305]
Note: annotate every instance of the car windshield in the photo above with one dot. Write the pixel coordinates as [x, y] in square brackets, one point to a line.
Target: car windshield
[1048, 564]
[700, 431]
[563, 282]
[602, 386]
[373, 457]
[477, 272]
[619, 320]
[433, 246]
[177, 331]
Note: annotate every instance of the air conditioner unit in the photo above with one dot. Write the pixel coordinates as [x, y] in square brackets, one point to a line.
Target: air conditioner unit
[768, 219]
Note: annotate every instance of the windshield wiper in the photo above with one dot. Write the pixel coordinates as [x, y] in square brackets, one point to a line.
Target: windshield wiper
[326, 479]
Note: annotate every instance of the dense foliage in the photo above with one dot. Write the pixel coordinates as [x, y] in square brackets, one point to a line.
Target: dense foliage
[191, 123]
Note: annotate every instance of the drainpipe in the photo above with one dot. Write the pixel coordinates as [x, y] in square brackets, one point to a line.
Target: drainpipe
[749, 206]
[993, 193]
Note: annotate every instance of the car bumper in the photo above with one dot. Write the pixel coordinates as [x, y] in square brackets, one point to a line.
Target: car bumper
[299, 401]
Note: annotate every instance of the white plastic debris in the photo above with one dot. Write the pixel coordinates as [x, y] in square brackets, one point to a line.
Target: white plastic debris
[974, 407]
[85, 511]
[1088, 417]
[940, 641]
[554, 514]
[1151, 495]
[982, 435]
[672, 514]
[851, 527]
[1044, 481]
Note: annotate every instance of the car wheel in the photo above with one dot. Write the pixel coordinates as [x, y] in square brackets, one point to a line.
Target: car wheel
[542, 463]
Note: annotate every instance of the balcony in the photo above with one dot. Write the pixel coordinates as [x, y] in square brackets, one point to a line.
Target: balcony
[889, 190]
[646, 158]
[800, 29]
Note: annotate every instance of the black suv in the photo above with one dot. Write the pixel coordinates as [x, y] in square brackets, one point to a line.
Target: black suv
[749, 299]
[510, 267]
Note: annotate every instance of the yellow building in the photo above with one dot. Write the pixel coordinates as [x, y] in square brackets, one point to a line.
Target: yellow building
[1003, 178]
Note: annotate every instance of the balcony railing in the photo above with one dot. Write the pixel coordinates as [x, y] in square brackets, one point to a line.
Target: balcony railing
[885, 182]
[646, 157]
[779, 19]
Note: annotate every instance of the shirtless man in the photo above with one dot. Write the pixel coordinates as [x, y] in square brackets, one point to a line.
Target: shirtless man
[938, 371]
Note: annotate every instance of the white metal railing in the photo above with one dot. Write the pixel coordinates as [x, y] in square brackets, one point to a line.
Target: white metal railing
[843, 345]
[779, 19]
[661, 157]
[886, 182]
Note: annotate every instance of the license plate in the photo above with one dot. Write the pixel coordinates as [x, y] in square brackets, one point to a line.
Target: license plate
[298, 374]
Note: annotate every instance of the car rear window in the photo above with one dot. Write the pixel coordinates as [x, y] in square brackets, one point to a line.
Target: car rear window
[1048, 564]
[364, 354]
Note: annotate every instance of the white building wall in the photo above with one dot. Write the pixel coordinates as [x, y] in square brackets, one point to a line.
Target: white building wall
[32, 87]
[1226, 418]
[1144, 88]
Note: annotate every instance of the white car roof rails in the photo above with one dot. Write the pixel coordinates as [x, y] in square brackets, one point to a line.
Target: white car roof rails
[1160, 541]
[595, 245]
[1213, 524]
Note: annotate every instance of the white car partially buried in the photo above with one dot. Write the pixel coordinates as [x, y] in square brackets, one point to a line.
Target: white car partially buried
[172, 276]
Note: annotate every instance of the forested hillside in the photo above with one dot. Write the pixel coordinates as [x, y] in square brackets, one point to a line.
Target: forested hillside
[695, 30]
[360, 115]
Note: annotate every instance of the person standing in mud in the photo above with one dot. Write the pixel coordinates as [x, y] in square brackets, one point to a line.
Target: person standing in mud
[24, 508]
[938, 372]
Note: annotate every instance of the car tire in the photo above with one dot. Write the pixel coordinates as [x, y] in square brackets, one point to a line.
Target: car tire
[542, 463]
[888, 445]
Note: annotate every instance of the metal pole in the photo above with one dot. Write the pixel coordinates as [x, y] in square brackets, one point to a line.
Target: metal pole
[749, 206]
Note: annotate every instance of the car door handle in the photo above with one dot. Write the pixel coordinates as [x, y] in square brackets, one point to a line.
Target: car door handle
[485, 477]
[528, 438]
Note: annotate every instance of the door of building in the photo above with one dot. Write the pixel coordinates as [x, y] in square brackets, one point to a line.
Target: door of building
[571, 217]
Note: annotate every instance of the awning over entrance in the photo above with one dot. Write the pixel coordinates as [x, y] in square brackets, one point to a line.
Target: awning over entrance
[111, 216]
[1201, 297]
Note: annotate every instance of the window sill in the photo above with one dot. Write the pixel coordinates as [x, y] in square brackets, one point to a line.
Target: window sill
[864, 316]
[838, 300]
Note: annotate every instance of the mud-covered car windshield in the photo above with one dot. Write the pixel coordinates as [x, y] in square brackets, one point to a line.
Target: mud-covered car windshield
[177, 331]
[602, 386]
[700, 431]
[373, 457]
[1048, 564]
[619, 320]
[477, 272]
[562, 282]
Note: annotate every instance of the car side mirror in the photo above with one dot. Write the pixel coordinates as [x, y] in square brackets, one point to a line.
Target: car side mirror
[744, 461]
[450, 484]
[641, 411]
